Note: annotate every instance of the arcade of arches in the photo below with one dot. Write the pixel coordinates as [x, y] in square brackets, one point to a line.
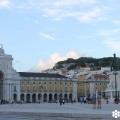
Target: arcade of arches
[45, 97]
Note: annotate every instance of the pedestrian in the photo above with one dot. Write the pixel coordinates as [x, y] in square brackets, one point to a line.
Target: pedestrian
[84, 99]
[81, 99]
[60, 102]
[94, 101]
[99, 101]
[63, 101]
[107, 101]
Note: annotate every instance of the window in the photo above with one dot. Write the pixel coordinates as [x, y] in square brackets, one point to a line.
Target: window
[50, 88]
[60, 88]
[34, 82]
[22, 83]
[33, 88]
[71, 89]
[28, 83]
[55, 88]
[22, 88]
[28, 88]
[40, 88]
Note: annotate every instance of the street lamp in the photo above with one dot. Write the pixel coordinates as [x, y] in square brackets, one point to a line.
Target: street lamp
[115, 73]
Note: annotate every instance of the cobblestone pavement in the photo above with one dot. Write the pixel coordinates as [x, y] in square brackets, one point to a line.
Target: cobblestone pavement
[52, 111]
[34, 116]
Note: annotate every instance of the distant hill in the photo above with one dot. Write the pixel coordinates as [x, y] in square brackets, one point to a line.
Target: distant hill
[93, 63]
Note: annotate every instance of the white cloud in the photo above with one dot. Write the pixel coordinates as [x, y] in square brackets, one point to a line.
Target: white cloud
[116, 21]
[54, 58]
[47, 36]
[88, 16]
[5, 3]
[82, 10]
[109, 32]
[113, 43]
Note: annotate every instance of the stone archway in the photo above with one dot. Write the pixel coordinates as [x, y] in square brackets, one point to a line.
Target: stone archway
[28, 98]
[39, 96]
[70, 96]
[50, 97]
[22, 97]
[60, 96]
[55, 97]
[15, 97]
[45, 97]
[66, 96]
[34, 98]
[1, 85]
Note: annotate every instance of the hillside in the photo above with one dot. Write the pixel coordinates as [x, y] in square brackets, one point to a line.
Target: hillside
[93, 63]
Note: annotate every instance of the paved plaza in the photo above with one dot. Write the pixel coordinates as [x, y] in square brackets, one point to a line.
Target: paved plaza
[53, 111]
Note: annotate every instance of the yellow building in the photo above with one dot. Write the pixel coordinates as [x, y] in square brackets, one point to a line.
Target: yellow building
[87, 86]
[46, 87]
[83, 87]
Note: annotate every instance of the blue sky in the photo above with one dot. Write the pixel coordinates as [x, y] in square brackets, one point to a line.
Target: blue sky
[39, 33]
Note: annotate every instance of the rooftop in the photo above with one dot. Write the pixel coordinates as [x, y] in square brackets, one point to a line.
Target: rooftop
[33, 74]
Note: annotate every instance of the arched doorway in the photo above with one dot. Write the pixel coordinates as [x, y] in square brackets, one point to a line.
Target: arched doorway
[22, 97]
[50, 97]
[45, 97]
[55, 97]
[65, 96]
[39, 96]
[70, 96]
[34, 98]
[15, 97]
[28, 98]
[1, 85]
[60, 96]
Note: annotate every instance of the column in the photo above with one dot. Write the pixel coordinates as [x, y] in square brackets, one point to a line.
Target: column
[42, 97]
[36, 96]
[47, 97]
[18, 91]
[25, 97]
[74, 94]
[30, 97]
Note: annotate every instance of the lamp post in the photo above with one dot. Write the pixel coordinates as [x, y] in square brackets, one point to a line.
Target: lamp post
[115, 73]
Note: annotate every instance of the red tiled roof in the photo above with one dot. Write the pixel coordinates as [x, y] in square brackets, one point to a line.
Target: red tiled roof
[100, 76]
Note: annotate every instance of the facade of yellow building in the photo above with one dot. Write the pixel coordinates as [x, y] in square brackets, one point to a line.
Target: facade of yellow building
[94, 84]
[46, 87]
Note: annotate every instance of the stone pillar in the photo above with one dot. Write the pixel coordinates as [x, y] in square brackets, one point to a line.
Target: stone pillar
[74, 94]
[92, 89]
[11, 91]
[30, 97]
[25, 97]
[53, 96]
[47, 97]
[36, 96]
[42, 97]
[18, 90]
[7, 88]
